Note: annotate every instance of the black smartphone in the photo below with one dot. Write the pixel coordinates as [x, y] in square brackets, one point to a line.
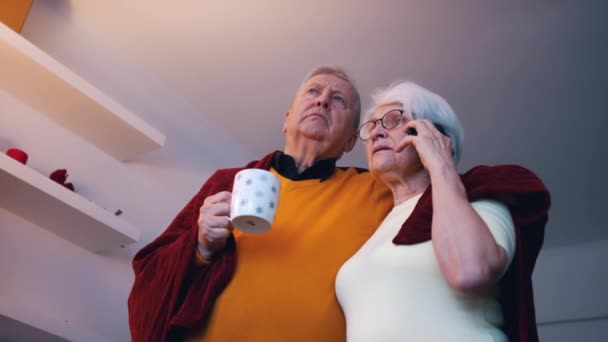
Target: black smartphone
[412, 131]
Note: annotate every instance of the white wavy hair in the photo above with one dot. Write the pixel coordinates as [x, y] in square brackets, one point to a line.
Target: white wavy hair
[425, 105]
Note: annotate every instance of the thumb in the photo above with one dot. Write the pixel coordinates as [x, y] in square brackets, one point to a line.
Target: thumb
[406, 141]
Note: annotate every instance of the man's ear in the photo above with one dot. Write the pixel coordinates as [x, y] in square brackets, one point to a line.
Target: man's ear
[285, 123]
[350, 144]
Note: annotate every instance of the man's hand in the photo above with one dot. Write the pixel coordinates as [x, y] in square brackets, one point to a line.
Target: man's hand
[214, 226]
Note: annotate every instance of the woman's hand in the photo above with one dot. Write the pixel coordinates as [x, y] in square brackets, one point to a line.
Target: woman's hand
[468, 256]
[434, 148]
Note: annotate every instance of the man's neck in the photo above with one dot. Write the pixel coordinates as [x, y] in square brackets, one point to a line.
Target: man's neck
[305, 155]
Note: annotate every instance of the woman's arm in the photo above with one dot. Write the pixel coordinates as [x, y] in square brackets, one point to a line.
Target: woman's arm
[467, 252]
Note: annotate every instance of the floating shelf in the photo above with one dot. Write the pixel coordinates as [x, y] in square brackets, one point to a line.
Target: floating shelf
[18, 323]
[38, 199]
[54, 90]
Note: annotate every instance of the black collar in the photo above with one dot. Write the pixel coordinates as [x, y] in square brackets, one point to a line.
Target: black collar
[286, 167]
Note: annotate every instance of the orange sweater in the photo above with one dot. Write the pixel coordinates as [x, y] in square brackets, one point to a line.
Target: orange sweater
[283, 288]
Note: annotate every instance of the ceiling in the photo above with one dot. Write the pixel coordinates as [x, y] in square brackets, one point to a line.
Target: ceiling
[529, 79]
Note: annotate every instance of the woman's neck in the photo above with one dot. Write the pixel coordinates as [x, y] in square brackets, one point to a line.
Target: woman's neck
[405, 187]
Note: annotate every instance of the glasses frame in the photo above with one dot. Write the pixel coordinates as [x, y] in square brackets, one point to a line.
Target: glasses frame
[381, 119]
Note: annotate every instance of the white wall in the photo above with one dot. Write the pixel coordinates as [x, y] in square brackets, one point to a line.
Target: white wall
[44, 272]
[60, 279]
[570, 289]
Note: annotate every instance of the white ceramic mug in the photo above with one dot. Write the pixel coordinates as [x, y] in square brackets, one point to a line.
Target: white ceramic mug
[255, 198]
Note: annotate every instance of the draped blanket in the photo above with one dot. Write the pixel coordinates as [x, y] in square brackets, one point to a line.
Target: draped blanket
[171, 294]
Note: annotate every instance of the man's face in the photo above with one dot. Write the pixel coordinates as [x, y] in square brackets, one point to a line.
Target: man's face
[322, 110]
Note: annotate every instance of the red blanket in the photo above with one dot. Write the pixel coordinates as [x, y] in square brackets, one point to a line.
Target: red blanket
[171, 295]
[528, 201]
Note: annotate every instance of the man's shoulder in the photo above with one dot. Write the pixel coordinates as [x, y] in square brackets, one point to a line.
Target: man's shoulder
[359, 184]
[225, 173]
[262, 163]
[357, 170]
[355, 176]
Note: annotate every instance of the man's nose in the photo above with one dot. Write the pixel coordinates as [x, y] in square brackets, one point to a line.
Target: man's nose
[323, 100]
[323, 103]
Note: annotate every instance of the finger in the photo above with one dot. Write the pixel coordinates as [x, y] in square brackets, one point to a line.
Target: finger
[214, 235]
[222, 222]
[431, 127]
[214, 239]
[220, 197]
[411, 127]
[218, 222]
[435, 128]
[405, 142]
[217, 209]
[214, 229]
[421, 126]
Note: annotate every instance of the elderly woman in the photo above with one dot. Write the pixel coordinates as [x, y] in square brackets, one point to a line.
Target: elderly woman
[453, 259]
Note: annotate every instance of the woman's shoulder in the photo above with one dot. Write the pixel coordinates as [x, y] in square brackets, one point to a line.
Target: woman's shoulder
[506, 177]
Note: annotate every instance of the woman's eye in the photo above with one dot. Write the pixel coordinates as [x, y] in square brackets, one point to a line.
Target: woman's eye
[313, 91]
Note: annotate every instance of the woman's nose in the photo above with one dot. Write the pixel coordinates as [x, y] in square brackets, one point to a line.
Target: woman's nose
[378, 131]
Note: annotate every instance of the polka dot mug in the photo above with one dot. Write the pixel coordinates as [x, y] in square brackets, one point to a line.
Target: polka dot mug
[255, 197]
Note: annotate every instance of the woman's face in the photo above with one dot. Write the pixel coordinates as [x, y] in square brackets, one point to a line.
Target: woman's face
[381, 156]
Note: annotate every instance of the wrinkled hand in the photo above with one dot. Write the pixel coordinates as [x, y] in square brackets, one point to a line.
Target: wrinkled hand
[214, 226]
[434, 148]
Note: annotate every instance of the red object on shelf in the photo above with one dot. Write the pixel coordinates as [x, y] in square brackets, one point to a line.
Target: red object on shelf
[60, 176]
[18, 155]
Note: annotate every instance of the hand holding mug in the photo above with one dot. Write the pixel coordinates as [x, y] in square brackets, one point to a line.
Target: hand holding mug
[214, 226]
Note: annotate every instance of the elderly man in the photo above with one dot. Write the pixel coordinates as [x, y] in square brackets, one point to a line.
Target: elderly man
[191, 284]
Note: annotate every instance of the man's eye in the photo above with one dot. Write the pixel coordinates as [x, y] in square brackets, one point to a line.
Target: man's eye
[339, 99]
[312, 91]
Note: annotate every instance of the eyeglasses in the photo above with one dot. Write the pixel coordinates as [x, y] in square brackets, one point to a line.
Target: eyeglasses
[389, 120]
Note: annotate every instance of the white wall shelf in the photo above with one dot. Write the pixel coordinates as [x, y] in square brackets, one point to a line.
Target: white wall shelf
[19, 323]
[38, 199]
[49, 87]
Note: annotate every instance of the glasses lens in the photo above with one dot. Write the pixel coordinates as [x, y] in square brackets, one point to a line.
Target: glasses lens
[391, 119]
[365, 132]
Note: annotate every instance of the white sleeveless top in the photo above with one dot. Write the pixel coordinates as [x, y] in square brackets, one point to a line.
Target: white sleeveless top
[398, 293]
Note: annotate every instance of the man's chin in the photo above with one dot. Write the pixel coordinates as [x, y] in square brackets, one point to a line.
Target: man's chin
[314, 133]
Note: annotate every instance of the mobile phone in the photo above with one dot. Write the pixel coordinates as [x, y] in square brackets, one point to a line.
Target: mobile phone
[412, 131]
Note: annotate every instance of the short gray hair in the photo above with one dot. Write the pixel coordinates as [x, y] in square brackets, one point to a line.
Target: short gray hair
[426, 105]
[340, 73]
